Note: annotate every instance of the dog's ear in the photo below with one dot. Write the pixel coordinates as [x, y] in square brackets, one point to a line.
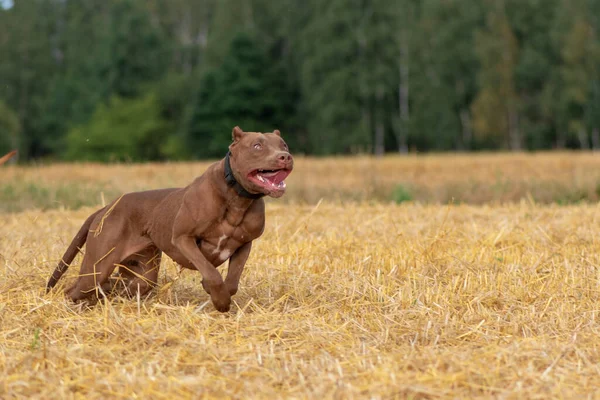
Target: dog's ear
[7, 157]
[237, 134]
[276, 131]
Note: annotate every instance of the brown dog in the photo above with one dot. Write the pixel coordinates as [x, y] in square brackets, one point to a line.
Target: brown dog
[214, 219]
[7, 156]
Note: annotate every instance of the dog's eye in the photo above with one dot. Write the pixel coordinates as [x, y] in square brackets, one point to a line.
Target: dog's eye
[285, 147]
[258, 146]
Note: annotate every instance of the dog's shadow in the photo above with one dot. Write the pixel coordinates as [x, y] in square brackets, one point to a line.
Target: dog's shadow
[175, 292]
[180, 293]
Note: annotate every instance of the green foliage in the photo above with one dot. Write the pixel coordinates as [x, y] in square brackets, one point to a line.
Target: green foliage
[331, 78]
[495, 109]
[10, 129]
[137, 59]
[444, 51]
[35, 343]
[242, 92]
[27, 67]
[176, 94]
[336, 76]
[229, 19]
[401, 194]
[123, 130]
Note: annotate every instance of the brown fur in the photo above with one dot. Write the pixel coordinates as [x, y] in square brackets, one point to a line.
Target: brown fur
[198, 226]
[7, 156]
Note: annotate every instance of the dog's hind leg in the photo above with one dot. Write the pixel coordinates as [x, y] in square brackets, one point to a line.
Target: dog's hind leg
[139, 272]
[93, 276]
[97, 266]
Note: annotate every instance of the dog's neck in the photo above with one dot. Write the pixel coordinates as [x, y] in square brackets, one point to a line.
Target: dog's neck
[232, 182]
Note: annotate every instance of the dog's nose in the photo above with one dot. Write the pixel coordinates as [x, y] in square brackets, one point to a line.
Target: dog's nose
[284, 156]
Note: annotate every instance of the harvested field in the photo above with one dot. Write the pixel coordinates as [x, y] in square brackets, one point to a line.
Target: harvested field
[350, 300]
[563, 178]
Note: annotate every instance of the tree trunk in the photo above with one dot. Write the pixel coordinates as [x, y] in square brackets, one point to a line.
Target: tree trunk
[561, 139]
[515, 142]
[403, 93]
[368, 113]
[202, 38]
[186, 38]
[467, 129]
[379, 126]
[57, 46]
[583, 139]
[596, 138]
[249, 15]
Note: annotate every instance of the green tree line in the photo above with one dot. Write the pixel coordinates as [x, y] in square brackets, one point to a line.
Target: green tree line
[118, 80]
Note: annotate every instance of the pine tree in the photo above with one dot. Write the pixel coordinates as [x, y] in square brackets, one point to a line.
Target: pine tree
[185, 27]
[242, 91]
[446, 66]
[275, 26]
[138, 52]
[380, 51]
[495, 109]
[27, 32]
[532, 24]
[229, 19]
[576, 72]
[332, 78]
[569, 96]
[10, 129]
[593, 58]
[128, 54]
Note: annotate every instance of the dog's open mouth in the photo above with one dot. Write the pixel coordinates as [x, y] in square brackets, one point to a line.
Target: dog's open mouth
[270, 179]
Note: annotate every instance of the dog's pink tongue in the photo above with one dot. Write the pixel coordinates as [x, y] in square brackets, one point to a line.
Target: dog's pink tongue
[277, 177]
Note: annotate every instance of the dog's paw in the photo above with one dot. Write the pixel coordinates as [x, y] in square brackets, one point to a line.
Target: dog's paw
[222, 307]
[222, 304]
[221, 298]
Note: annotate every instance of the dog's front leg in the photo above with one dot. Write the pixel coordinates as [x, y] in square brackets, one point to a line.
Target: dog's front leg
[218, 291]
[236, 267]
[219, 294]
[186, 229]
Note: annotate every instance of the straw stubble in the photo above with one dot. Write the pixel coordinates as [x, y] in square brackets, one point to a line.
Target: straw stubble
[337, 301]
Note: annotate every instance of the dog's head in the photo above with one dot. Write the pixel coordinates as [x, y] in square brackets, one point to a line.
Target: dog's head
[260, 161]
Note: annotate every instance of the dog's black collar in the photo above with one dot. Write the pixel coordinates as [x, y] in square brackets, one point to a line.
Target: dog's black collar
[231, 181]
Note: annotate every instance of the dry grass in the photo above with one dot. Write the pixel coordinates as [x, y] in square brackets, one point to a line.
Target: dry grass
[338, 301]
[475, 179]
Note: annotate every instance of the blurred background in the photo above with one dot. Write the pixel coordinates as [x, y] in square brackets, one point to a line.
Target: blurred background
[151, 80]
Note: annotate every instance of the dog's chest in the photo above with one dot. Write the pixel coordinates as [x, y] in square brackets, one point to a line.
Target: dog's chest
[219, 248]
[236, 227]
[222, 251]
[229, 233]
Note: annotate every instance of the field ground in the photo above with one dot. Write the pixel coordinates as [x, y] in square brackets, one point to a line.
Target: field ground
[563, 178]
[347, 294]
[338, 301]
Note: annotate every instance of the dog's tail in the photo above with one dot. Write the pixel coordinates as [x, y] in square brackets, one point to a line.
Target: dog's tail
[72, 250]
[7, 156]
